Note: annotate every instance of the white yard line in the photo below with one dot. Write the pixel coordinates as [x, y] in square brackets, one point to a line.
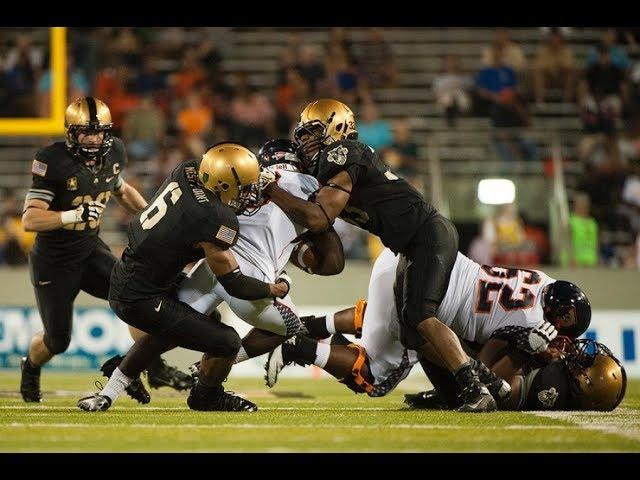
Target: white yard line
[622, 422]
[401, 426]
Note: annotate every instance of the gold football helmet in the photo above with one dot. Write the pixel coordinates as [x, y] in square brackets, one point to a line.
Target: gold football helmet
[88, 115]
[232, 172]
[599, 380]
[323, 122]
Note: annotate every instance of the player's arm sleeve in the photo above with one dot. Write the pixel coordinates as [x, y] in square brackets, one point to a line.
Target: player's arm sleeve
[44, 185]
[221, 230]
[342, 156]
[119, 167]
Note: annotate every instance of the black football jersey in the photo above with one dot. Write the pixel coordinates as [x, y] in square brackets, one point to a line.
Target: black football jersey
[162, 239]
[547, 388]
[64, 182]
[380, 202]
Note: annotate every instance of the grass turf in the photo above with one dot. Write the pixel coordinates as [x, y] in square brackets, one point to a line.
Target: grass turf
[296, 416]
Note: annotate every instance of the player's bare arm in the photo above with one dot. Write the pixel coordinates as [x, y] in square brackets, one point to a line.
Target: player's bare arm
[38, 218]
[130, 198]
[317, 216]
[225, 267]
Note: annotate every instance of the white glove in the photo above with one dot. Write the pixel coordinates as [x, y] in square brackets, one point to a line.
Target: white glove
[84, 213]
[267, 177]
[540, 337]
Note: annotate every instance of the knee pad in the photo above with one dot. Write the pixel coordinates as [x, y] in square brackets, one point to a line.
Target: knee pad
[57, 344]
[358, 317]
[231, 346]
[356, 381]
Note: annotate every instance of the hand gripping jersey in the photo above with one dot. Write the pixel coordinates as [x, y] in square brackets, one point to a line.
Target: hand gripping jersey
[265, 237]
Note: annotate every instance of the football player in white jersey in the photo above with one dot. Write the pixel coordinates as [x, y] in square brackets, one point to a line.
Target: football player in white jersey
[513, 307]
[265, 243]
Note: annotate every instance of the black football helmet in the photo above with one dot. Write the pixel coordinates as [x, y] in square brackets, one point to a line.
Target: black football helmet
[567, 308]
[281, 152]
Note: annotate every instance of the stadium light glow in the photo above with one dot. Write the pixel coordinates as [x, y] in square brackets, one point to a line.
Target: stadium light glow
[496, 191]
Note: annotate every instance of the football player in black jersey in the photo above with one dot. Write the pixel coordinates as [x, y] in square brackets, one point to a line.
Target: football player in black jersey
[359, 188]
[580, 374]
[72, 183]
[193, 215]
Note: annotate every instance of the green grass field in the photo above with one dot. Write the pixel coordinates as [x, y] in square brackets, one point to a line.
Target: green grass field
[296, 416]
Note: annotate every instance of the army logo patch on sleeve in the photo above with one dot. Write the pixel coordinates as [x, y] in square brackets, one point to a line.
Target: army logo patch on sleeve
[72, 183]
[548, 397]
[338, 155]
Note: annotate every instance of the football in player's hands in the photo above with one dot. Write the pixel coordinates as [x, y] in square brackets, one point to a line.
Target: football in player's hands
[305, 256]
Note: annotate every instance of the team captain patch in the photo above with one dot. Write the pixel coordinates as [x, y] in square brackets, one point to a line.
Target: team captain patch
[338, 155]
[39, 168]
[226, 234]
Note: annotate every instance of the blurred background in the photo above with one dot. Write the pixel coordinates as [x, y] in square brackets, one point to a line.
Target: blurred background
[527, 138]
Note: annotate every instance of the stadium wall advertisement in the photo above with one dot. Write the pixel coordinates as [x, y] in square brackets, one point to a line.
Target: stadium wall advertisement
[98, 334]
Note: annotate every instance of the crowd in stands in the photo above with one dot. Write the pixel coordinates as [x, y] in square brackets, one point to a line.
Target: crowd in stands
[170, 99]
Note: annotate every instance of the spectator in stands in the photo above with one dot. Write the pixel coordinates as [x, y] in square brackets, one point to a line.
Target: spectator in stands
[22, 69]
[376, 61]
[310, 67]
[291, 98]
[451, 89]
[602, 94]
[402, 154]
[618, 53]
[195, 118]
[144, 129]
[149, 80]
[584, 233]
[498, 85]
[77, 86]
[554, 67]
[115, 84]
[342, 76]
[512, 53]
[338, 36]
[190, 76]
[373, 130]
[631, 195]
[209, 58]
[15, 243]
[252, 115]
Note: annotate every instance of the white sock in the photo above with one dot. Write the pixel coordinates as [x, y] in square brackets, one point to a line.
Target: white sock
[322, 354]
[242, 356]
[116, 385]
[331, 326]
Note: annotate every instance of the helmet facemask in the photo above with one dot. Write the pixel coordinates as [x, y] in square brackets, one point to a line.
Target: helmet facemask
[309, 149]
[249, 200]
[91, 153]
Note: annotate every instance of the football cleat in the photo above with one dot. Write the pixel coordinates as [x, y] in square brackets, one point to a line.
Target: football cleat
[29, 384]
[136, 388]
[159, 374]
[94, 403]
[429, 400]
[211, 399]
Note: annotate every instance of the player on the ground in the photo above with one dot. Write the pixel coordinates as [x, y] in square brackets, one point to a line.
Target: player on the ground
[519, 308]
